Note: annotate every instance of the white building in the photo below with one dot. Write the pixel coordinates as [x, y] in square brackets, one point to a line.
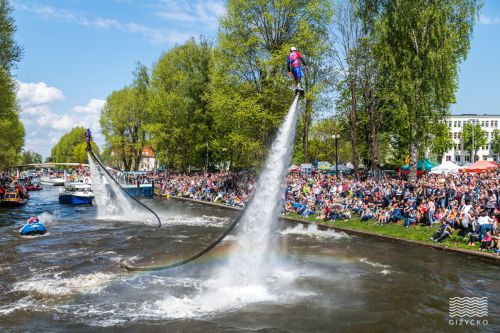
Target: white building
[456, 123]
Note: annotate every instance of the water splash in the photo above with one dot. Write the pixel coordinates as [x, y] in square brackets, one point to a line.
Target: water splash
[111, 201]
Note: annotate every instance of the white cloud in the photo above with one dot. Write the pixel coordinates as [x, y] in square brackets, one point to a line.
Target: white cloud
[153, 35]
[94, 106]
[196, 12]
[33, 94]
[486, 20]
[44, 127]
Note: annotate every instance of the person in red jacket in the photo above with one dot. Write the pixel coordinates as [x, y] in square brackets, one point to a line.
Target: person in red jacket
[294, 61]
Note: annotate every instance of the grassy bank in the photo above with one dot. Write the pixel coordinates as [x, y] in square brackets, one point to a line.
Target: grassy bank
[419, 232]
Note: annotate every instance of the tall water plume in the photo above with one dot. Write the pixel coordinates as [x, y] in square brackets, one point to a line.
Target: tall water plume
[247, 261]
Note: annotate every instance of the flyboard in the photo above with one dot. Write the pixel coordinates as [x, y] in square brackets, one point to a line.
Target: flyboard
[299, 93]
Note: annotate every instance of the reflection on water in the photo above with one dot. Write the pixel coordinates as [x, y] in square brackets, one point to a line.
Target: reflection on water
[322, 281]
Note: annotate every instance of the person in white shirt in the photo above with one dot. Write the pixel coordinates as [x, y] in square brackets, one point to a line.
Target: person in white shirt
[485, 222]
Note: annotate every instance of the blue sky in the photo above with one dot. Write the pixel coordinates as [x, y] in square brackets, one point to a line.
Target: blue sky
[76, 52]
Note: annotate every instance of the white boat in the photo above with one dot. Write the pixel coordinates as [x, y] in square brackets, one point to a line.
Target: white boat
[76, 194]
[54, 181]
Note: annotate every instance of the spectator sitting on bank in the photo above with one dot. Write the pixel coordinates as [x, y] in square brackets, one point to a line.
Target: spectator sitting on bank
[409, 215]
[444, 231]
[486, 242]
[367, 213]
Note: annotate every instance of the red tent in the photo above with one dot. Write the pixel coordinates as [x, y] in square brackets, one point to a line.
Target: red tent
[480, 166]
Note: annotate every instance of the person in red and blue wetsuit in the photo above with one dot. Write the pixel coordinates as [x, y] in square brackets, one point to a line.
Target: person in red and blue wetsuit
[88, 138]
[294, 60]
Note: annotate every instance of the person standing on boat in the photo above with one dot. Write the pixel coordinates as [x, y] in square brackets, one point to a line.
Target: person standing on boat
[88, 137]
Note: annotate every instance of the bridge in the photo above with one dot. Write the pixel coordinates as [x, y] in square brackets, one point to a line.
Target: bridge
[48, 165]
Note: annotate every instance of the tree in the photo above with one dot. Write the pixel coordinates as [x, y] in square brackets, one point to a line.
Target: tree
[71, 147]
[441, 140]
[124, 120]
[80, 152]
[178, 101]
[473, 138]
[11, 129]
[347, 38]
[495, 141]
[248, 94]
[418, 47]
[30, 157]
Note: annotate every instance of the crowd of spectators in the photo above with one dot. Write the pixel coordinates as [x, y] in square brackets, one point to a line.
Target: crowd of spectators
[465, 205]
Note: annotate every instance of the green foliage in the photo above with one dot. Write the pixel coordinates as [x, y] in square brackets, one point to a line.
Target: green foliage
[68, 149]
[418, 47]
[11, 128]
[124, 120]
[182, 123]
[441, 140]
[248, 92]
[495, 141]
[30, 157]
[80, 152]
[473, 137]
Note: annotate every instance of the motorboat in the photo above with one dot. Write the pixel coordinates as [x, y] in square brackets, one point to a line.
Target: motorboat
[52, 180]
[33, 228]
[34, 186]
[76, 194]
[15, 196]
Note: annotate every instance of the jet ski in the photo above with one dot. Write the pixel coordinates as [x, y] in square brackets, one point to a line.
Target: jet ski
[34, 228]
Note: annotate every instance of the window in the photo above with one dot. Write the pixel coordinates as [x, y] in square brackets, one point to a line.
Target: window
[448, 158]
[459, 123]
[457, 158]
[455, 136]
[467, 158]
[449, 123]
[484, 123]
[459, 135]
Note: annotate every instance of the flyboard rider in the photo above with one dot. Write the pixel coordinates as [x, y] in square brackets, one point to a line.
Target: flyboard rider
[294, 60]
[88, 138]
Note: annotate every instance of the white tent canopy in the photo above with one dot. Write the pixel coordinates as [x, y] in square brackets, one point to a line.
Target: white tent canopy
[446, 167]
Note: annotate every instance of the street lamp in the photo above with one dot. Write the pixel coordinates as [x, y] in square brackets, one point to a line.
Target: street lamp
[473, 142]
[336, 137]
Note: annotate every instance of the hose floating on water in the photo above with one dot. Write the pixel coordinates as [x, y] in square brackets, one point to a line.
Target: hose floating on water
[130, 195]
[128, 267]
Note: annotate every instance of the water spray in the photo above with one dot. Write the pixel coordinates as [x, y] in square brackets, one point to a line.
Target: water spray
[92, 155]
[290, 122]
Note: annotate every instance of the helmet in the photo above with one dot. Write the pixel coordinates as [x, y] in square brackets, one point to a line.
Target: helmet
[293, 49]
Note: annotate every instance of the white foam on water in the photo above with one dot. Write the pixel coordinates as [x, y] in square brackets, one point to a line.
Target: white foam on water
[373, 264]
[21, 304]
[312, 230]
[55, 285]
[201, 221]
[385, 272]
[34, 236]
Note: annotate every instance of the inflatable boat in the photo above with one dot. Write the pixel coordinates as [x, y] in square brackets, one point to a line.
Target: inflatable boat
[35, 228]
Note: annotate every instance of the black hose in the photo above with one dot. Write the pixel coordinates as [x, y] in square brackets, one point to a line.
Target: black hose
[128, 267]
[130, 195]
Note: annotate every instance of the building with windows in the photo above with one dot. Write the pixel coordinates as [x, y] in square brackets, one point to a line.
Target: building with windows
[457, 154]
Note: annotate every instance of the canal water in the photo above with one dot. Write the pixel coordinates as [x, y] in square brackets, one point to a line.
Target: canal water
[69, 280]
